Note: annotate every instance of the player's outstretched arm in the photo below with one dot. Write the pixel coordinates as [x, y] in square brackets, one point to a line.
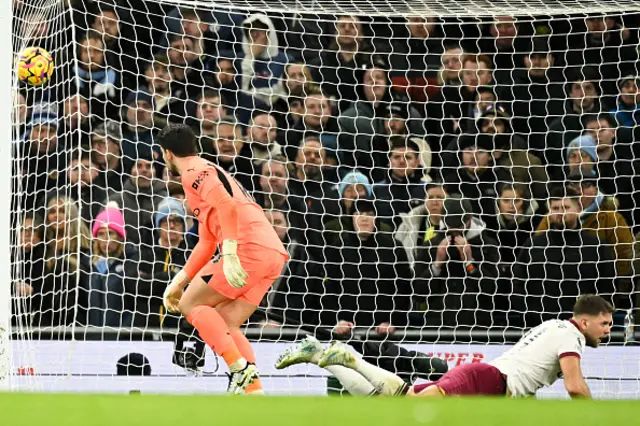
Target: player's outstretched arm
[574, 381]
[173, 292]
[201, 255]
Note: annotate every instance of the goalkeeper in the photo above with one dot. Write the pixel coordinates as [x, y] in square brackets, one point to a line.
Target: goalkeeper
[221, 295]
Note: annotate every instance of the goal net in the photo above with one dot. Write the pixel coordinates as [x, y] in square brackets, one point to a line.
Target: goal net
[444, 176]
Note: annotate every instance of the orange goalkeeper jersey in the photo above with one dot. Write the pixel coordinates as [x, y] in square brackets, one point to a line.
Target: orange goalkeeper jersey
[225, 211]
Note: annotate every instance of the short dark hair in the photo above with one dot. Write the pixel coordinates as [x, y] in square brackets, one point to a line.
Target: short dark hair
[37, 222]
[175, 190]
[435, 185]
[601, 116]
[179, 139]
[521, 190]
[80, 155]
[587, 73]
[486, 89]
[310, 137]
[174, 37]
[477, 59]
[583, 74]
[593, 305]
[85, 155]
[209, 93]
[560, 192]
[258, 112]
[452, 45]
[229, 120]
[277, 158]
[189, 13]
[89, 35]
[255, 25]
[364, 205]
[399, 142]
[105, 8]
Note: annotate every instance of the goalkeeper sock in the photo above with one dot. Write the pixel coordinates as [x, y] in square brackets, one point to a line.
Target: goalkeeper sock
[385, 382]
[247, 352]
[215, 332]
[243, 345]
[352, 381]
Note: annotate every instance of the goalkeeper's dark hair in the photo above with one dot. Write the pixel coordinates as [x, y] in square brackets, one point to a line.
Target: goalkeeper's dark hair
[592, 305]
[179, 139]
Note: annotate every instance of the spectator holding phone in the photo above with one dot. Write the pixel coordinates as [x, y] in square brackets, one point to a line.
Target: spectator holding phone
[459, 267]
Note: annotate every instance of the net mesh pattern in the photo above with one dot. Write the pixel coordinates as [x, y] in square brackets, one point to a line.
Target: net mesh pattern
[441, 173]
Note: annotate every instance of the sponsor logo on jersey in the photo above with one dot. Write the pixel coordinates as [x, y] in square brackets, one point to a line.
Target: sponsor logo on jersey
[196, 183]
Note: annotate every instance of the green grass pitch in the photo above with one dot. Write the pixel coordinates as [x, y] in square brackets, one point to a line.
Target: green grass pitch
[139, 410]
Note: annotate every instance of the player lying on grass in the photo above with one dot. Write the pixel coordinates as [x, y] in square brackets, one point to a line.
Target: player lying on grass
[544, 353]
[221, 296]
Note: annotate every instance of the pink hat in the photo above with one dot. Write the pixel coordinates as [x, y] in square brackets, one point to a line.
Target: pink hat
[110, 218]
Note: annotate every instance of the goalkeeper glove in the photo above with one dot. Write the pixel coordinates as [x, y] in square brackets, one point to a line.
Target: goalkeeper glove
[233, 272]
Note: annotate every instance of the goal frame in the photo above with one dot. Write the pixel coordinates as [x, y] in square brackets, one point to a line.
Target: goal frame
[6, 61]
[11, 364]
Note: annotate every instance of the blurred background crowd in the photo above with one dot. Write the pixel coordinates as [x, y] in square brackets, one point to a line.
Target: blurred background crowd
[421, 171]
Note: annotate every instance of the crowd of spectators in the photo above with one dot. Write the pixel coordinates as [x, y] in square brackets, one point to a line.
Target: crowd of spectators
[420, 171]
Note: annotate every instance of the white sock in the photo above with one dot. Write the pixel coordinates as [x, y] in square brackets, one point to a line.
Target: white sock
[385, 382]
[351, 380]
[239, 365]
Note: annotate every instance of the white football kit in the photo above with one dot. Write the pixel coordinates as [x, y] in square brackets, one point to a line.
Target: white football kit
[534, 362]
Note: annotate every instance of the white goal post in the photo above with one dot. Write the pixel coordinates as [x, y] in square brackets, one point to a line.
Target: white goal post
[6, 65]
[455, 121]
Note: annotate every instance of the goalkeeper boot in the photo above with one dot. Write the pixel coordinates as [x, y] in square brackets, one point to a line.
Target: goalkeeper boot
[338, 354]
[239, 380]
[308, 350]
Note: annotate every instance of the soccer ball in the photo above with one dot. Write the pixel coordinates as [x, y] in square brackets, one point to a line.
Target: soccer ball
[35, 66]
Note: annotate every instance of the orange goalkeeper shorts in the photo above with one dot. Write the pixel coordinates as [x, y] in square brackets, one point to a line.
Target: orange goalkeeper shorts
[262, 265]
